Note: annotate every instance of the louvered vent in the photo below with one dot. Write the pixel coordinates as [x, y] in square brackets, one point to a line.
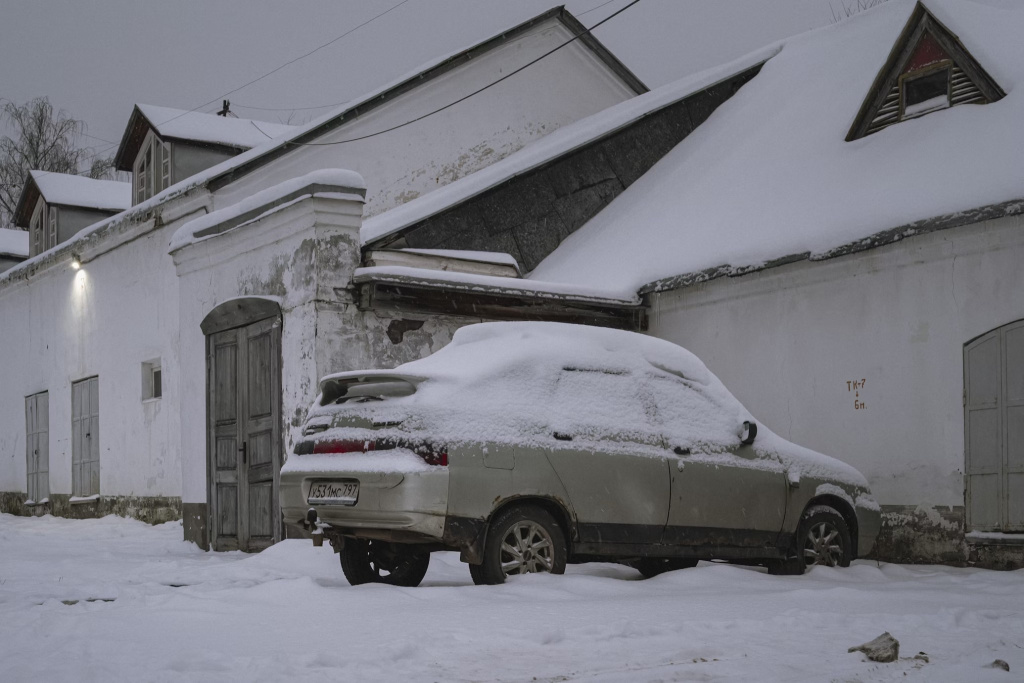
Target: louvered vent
[888, 113]
[964, 90]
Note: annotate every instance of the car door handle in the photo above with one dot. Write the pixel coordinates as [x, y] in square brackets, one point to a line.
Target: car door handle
[679, 450]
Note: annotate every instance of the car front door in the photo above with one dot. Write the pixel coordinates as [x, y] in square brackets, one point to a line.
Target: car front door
[726, 500]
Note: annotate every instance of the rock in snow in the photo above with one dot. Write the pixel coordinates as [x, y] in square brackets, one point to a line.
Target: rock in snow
[884, 648]
[998, 664]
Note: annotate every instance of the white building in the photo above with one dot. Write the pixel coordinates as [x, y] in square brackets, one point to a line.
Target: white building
[833, 224]
[105, 382]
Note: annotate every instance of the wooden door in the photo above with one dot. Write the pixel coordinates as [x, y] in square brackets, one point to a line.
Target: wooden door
[244, 451]
[85, 437]
[37, 446]
[994, 429]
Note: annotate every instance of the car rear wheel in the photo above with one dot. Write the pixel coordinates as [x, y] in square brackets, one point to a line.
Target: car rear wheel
[652, 566]
[365, 561]
[521, 540]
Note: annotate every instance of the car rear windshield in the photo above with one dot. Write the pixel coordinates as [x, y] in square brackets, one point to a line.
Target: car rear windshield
[359, 390]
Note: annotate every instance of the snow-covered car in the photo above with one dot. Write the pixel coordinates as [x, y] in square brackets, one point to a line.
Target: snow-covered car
[527, 446]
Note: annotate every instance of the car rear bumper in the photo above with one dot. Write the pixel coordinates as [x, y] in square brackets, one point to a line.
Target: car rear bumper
[390, 505]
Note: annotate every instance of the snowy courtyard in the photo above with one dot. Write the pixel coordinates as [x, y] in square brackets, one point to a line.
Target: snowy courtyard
[113, 599]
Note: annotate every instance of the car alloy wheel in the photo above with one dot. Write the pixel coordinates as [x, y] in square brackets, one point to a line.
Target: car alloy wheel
[526, 549]
[826, 538]
[521, 540]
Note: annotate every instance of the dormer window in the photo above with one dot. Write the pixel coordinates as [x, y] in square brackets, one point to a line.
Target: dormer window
[928, 69]
[152, 171]
[925, 91]
[36, 229]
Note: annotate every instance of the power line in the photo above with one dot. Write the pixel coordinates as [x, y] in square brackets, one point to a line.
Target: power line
[288, 63]
[338, 104]
[595, 8]
[461, 99]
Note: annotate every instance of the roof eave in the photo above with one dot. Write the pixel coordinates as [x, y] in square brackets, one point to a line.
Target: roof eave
[1014, 207]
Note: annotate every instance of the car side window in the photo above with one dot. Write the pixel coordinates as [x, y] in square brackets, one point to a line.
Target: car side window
[603, 403]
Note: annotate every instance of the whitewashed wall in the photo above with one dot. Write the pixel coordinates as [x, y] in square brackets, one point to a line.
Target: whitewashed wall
[790, 342]
[569, 85]
[106, 319]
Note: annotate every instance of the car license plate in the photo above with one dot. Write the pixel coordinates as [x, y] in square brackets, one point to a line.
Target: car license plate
[333, 493]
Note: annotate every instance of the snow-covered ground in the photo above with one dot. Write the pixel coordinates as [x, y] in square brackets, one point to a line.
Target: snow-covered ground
[116, 600]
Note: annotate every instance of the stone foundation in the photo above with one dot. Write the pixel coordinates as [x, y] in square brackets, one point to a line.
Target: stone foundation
[149, 509]
[936, 535]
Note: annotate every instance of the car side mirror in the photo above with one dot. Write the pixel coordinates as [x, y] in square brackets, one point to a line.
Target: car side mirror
[749, 433]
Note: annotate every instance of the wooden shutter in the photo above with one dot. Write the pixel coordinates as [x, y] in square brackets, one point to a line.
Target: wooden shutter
[1013, 383]
[85, 437]
[37, 446]
[994, 429]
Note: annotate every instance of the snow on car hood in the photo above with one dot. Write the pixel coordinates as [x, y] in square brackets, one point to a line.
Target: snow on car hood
[524, 382]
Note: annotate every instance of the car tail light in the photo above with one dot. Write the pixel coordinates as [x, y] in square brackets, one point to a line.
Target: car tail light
[432, 455]
[343, 446]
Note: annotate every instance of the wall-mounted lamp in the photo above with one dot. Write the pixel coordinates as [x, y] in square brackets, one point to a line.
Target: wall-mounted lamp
[76, 262]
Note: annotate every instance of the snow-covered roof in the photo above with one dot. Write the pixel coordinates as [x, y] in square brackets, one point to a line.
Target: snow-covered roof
[13, 243]
[556, 144]
[75, 190]
[770, 175]
[258, 205]
[211, 128]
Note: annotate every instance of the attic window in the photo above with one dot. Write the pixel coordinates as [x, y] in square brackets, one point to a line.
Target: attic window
[926, 91]
[928, 70]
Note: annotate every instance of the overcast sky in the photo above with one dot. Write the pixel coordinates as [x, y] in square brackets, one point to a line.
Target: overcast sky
[96, 58]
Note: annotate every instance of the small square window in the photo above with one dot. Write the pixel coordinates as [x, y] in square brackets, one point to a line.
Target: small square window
[152, 380]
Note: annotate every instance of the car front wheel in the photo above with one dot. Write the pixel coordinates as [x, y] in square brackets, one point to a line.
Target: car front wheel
[365, 561]
[521, 540]
[825, 538]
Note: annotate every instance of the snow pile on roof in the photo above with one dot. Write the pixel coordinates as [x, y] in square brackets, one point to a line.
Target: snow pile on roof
[770, 174]
[565, 139]
[202, 127]
[76, 190]
[333, 180]
[14, 243]
[523, 382]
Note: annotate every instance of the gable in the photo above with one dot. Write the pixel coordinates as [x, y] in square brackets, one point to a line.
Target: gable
[588, 55]
[928, 69]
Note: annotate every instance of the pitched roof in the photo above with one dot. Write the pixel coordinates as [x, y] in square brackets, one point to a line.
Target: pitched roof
[769, 176]
[65, 189]
[559, 143]
[192, 126]
[13, 243]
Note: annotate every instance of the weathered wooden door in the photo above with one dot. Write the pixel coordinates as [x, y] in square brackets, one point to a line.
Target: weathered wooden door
[994, 429]
[244, 436]
[85, 437]
[37, 446]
